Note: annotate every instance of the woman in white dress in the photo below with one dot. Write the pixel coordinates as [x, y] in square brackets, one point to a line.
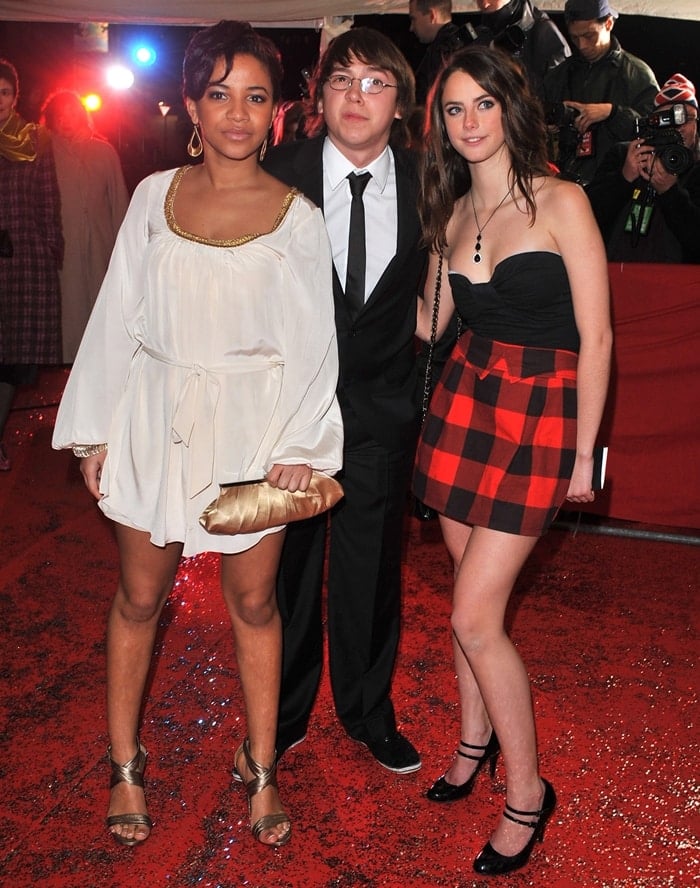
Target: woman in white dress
[210, 358]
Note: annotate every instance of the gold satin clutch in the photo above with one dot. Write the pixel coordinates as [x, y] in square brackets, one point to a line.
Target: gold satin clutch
[255, 506]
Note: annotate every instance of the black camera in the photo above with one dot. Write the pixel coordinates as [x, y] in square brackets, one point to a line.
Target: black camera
[559, 114]
[660, 132]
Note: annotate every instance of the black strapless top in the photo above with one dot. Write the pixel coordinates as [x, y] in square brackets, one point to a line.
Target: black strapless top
[527, 302]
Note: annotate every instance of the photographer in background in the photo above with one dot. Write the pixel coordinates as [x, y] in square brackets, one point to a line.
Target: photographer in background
[646, 193]
[526, 33]
[603, 87]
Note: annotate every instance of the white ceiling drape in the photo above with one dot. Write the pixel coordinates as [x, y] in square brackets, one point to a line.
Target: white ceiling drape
[280, 13]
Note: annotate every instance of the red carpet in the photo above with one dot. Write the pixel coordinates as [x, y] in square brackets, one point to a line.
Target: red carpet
[607, 627]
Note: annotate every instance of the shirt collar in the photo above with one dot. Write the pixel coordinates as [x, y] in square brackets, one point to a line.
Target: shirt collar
[337, 166]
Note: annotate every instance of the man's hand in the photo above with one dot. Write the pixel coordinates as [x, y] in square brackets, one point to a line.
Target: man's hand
[590, 114]
[638, 160]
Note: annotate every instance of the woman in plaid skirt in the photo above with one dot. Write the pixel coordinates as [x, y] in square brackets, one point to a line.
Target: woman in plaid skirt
[511, 427]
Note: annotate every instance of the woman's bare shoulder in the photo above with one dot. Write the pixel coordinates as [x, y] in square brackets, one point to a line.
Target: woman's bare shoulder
[561, 194]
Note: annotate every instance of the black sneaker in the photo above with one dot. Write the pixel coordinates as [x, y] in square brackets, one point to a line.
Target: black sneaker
[395, 753]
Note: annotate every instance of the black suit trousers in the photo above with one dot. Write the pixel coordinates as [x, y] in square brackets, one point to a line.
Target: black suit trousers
[364, 538]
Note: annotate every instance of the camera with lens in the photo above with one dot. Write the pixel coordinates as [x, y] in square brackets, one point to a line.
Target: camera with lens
[559, 114]
[566, 139]
[660, 132]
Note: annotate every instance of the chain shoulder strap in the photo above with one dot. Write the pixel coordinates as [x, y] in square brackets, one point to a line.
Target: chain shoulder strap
[427, 384]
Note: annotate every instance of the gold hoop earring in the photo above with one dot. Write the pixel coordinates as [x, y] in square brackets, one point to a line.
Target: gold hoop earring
[194, 146]
[263, 151]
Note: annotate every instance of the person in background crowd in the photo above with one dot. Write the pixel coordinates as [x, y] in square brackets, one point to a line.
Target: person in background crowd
[511, 427]
[361, 89]
[646, 212]
[210, 358]
[593, 98]
[525, 32]
[431, 22]
[31, 251]
[288, 124]
[94, 199]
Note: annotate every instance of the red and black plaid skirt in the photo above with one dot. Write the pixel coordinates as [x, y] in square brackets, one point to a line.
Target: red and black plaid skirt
[498, 445]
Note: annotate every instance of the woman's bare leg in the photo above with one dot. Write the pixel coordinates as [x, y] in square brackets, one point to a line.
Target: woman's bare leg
[496, 678]
[249, 584]
[146, 577]
[475, 727]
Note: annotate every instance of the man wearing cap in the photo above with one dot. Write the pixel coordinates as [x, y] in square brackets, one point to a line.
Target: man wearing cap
[646, 212]
[604, 88]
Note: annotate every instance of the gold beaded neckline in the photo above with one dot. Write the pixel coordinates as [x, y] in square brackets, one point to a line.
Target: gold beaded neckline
[213, 242]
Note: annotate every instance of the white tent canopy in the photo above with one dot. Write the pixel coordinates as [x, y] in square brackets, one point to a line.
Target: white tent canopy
[283, 13]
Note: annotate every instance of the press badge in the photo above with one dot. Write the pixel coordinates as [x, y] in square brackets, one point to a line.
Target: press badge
[639, 216]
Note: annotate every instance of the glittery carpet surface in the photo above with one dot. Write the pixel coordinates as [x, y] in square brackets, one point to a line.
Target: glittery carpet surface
[606, 625]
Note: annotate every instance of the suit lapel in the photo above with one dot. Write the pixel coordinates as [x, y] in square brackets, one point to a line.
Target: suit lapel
[309, 176]
[308, 164]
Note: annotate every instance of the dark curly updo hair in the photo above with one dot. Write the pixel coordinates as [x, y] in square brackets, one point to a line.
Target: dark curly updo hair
[225, 41]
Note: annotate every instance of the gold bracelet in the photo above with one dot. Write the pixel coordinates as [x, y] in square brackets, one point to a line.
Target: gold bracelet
[83, 450]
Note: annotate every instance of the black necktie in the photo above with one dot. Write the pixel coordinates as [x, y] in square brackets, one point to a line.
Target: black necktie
[355, 280]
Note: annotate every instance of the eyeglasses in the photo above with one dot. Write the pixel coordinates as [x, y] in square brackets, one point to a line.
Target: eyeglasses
[371, 85]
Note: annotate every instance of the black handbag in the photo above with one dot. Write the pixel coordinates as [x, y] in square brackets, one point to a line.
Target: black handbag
[420, 510]
[6, 249]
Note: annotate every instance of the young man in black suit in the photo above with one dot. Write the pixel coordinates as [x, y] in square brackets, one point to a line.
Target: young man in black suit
[362, 86]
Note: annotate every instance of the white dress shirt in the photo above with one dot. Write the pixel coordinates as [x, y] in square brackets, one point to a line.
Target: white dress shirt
[381, 217]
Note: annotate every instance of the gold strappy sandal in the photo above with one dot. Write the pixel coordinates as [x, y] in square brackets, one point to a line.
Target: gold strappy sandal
[263, 777]
[132, 773]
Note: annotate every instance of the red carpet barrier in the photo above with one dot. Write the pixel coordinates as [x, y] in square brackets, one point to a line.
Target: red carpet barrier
[652, 419]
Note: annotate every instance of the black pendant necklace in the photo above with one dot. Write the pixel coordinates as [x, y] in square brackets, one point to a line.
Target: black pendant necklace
[480, 228]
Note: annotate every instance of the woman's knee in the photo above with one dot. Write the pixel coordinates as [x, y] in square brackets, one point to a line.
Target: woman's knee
[254, 607]
[140, 604]
[473, 631]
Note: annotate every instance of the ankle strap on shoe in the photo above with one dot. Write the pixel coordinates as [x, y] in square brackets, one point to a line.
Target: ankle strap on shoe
[262, 776]
[132, 771]
[475, 758]
[531, 824]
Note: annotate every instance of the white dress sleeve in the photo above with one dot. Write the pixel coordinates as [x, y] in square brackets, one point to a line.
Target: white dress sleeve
[310, 429]
[102, 363]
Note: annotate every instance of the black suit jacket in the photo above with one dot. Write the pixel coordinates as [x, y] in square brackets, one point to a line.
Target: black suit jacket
[376, 346]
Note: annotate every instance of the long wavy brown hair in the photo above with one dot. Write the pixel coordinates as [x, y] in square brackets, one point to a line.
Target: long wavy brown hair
[445, 173]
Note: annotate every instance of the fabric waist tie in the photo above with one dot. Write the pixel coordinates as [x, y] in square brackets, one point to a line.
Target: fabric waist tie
[195, 409]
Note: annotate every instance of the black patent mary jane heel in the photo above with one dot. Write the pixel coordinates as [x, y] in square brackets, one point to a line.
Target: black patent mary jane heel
[490, 863]
[442, 791]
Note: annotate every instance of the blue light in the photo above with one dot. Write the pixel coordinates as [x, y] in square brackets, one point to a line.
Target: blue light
[144, 55]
